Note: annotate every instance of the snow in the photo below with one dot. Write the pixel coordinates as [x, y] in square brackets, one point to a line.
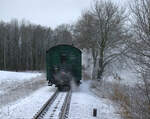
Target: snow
[10, 80]
[82, 106]
[27, 107]
[55, 109]
[83, 102]
[128, 77]
[7, 76]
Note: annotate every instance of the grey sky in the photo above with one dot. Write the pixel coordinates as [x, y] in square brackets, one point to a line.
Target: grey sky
[45, 12]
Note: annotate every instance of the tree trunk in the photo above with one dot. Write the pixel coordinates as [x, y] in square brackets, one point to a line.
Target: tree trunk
[94, 69]
[94, 55]
[101, 66]
[101, 69]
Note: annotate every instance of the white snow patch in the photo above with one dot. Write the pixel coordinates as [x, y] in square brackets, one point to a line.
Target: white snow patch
[8, 76]
[83, 102]
[82, 105]
[10, 80]
[26, 108]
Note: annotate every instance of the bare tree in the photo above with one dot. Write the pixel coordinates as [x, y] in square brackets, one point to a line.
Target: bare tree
[102, 28]
[62, 35]
[140, 44]
[109, 22]
[139, 52]
[84, 33]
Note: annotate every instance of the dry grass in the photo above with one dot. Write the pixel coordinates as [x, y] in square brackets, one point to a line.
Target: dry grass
[124, 100]
[132, 101]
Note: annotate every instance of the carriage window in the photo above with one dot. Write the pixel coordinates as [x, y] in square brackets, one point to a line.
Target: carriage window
[63, 59]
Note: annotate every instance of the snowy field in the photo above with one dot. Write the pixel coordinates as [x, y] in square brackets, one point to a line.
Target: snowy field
[16, 76]
[10, 80]
[16, 85]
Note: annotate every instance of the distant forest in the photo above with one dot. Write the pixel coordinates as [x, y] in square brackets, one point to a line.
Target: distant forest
[108, 31]
[23, 45]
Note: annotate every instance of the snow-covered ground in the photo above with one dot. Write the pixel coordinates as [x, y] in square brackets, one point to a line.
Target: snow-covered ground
[28, 98]
[83, 102]
[22, 94]
[10, 80]
[26, 108]
[82, 105]
[9, 76]
[16, 85]
[128, 78]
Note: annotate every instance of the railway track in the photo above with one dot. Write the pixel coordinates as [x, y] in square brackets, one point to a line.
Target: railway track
[56, 107]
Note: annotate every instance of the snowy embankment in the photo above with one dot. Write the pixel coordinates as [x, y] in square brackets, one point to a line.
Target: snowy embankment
[10, 80]
[11, 77]
[26, 108]
[22, 94]
[17, 85]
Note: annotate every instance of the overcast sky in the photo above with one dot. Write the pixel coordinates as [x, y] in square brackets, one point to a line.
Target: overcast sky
[45, 12]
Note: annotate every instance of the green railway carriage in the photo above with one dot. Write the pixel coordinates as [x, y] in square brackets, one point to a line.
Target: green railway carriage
[63, 58]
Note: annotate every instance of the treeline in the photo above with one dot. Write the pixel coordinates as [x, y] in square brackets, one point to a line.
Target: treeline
[23, 45]
[104, 28]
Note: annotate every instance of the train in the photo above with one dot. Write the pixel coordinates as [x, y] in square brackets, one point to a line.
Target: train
[63, 66]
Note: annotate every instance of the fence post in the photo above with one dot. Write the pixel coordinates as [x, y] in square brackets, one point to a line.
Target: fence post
[94, 112]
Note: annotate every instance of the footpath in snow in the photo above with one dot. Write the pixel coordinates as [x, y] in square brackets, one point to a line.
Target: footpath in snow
[84, 101]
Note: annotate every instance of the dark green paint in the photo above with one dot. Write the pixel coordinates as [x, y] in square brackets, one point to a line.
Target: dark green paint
[73, 60]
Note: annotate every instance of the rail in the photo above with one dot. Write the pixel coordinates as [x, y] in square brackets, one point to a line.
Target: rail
[58, 98]
[49, 102]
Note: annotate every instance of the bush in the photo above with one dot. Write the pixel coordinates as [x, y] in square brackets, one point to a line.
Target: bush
[133, 101]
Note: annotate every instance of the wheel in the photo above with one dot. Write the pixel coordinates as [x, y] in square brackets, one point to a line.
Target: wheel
[59, 88]
[64, 88]
[78, 83]
[67, 88]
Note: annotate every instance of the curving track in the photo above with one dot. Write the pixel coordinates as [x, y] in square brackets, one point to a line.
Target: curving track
[56, 107]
